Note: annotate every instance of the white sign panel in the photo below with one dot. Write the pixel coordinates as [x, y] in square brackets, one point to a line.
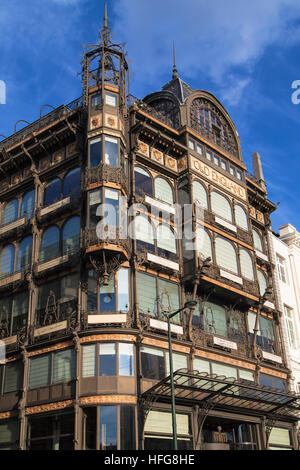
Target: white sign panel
[272, 357]
[161, 325]
[225, 343]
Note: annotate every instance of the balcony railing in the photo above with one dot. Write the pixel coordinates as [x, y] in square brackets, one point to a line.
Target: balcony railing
[150, 110]
[112, 236]
[106, 173]
[39, 124]
[56, 313]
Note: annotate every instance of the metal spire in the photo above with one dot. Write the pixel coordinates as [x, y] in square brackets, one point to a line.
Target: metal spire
[105, 28]
[175, 72]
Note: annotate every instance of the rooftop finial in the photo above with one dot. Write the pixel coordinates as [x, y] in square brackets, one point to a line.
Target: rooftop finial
[105, 28]
[175, 72]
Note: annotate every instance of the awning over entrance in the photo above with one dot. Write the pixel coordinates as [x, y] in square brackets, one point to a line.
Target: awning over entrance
[218, 391]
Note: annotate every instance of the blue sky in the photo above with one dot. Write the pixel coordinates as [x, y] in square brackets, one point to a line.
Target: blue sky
[246, 53]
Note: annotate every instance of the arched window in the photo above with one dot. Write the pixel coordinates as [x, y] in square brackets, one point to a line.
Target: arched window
[49, 248]
[257, 241]
[241, 218]
[143, 181]
[203, 242]
[262, 282]
[214, 319]
[166, 242]
[246, 264]
[163, 190]
[27, 205]
[226, 255]
[72, 183]
[24, 253]
[7, 263]
[144, 232]
[221, 206]
[71, 235]
[10, 212]
[53, 192]
[200, 194]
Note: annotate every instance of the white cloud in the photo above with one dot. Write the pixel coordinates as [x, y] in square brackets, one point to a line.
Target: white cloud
[217, 38]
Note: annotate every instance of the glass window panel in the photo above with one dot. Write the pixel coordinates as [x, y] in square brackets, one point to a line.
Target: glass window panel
[126, 360]
[108, 296]
[169, 297]
[143, 181]
[163, 190]
[165, 240]
[209, 155]
[153, 363]
[89, 360]
[72, 183]
[108, 428]
[200, 194]
[10, 212]
[199, 149]
[226, 255]
[221, 206]
[111, 207]
[24, 254]
[214, 318]
[111, 151]
[39, 371]
[19, 311]
[127, 427]
[107, 359]
[44, 295]
[257, 241]
[246, 375]
[53, 192]
[222, 369]
[191, 144]
[179, 362]
[27, 205]
[9, 431]
[95, 152]
[110, 99]
[262, 281]
[123, 290]
[203, 240]
[71, 236]
[280, 436]
[95, 198]
[246, 264]
[96, 100]
[161, 421]
[241, 218]
[64, 366]
[144, 230]
[201, 365]
[92, 291]
[13, 377]
[50, 248]
[7, 261]
[147, 296]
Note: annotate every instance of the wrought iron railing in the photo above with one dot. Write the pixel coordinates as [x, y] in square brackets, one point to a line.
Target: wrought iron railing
[55, 313]
[106, 173]
[150, 110]
[41, 123]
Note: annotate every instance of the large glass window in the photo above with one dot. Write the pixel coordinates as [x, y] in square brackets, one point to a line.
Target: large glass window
[262, 282]
[9, 434]
[27, 205]
[50, 244]
[280, 439]
[265, 335]
[13, 377]
[7, 261]
[271, 381]
[52, 368]
[200, 194]
[257, 239]
[166, 242]
[10, 212]
[95, 198]
[108, 428]
[144, 233]
[71, 236]
[53, 192]
[24, 254]
[156, 363]
[163, 190]
[246, 264]
[159, 434]
[14, 312]
[241, 218]
[110, 297]
[111, 151]
[72, 183]
[51, 432]
[143, 181]
[221, 206]
[226, 255]
[95, 151]
[111, 207]
[203, 243]
[113, 359]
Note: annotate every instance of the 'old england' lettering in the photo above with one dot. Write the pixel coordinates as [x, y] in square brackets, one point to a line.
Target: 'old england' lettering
[217, 178]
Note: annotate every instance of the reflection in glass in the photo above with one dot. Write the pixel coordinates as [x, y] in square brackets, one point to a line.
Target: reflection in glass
[108, 427]
[107, 359]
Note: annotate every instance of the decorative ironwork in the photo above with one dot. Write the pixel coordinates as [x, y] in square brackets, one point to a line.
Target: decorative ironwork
[154, 112]
[209, 122]
[55, 312]
[112, 237]
[106, 173]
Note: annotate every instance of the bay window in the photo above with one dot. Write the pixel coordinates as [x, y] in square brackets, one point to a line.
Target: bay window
[108, 359]
[104, 149]
[113, 297]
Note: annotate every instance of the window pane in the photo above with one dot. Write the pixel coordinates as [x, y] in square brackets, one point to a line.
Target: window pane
[222, 369]
[179, 362]
[262, 282]
[144, 232]
[24, 254]
[108, 427]
[169, 297]
[257, 241]
[153, 363]
[64, 365]
[39, 372]
[108, 359]
[111, 207]
[27, 205]
[71, 236]
[226, 255]
[110, 99]
[13, 377]
[127, 427]
[7, 260]
[50, 245]
[19, 311]
[89, 362]
[96, 100]
[92, 291]
[221, 206]
[108, 296]
[214, 317]
[10, 212]
[147, 297]
[126, 359]
[95, 152]
[241, 217]
[200, 194]
[53, 192]
[123, 290]
[203, 242]
[143, 181]
[163, 190]
[111, 151]
[246, 265]
[166, 242]
[95, 198]
[72, 183]
[201, 365]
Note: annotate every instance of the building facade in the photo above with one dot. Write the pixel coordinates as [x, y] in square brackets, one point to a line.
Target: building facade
[115, 212]
[286, 253]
